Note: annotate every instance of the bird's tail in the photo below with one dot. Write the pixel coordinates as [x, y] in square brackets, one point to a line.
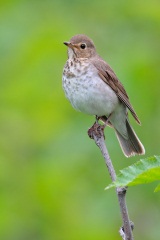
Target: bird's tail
[132, 145]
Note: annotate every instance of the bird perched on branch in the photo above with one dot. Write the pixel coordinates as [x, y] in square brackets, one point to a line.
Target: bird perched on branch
[93, 88]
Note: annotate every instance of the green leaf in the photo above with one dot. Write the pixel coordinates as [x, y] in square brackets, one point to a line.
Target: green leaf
[142, 172]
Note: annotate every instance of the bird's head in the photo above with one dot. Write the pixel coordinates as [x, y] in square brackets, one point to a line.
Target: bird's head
[80, 46]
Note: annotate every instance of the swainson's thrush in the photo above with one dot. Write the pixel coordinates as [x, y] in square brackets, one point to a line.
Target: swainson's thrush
[93, 88]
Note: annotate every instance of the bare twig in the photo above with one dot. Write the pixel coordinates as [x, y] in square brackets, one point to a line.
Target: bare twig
[96, 132]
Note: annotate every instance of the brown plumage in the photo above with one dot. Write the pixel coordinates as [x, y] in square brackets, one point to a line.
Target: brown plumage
[109, 77]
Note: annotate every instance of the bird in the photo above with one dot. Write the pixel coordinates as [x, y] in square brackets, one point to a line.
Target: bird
[93, 88]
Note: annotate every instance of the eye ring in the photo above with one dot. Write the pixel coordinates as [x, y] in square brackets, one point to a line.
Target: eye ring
[83, 46]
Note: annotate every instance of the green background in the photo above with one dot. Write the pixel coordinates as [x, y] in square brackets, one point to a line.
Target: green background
[52, 176]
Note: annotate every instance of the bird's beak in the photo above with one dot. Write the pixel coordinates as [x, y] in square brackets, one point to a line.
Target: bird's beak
[67, 43]
[70, 45]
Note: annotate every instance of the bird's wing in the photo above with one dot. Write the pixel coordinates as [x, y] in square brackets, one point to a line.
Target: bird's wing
[109, 77]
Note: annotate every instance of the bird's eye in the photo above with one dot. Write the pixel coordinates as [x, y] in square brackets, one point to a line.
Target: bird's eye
[83, 45]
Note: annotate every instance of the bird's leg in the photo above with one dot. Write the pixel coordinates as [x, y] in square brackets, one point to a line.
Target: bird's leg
[97, 119]
[96, 129]
[107, 121]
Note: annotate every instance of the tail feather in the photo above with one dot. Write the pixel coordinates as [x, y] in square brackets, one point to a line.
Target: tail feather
[131, 145]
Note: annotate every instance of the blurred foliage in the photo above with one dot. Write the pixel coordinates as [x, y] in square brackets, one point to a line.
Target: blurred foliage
[52, 176]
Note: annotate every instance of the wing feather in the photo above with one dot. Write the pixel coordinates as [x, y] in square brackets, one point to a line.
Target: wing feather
[109, 77]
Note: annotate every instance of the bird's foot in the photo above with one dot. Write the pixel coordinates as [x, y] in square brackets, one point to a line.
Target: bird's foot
[96, 130]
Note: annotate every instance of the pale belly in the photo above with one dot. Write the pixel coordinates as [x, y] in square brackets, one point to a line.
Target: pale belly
[88, 93]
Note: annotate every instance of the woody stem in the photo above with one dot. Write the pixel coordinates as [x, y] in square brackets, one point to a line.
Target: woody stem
[96, 132]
